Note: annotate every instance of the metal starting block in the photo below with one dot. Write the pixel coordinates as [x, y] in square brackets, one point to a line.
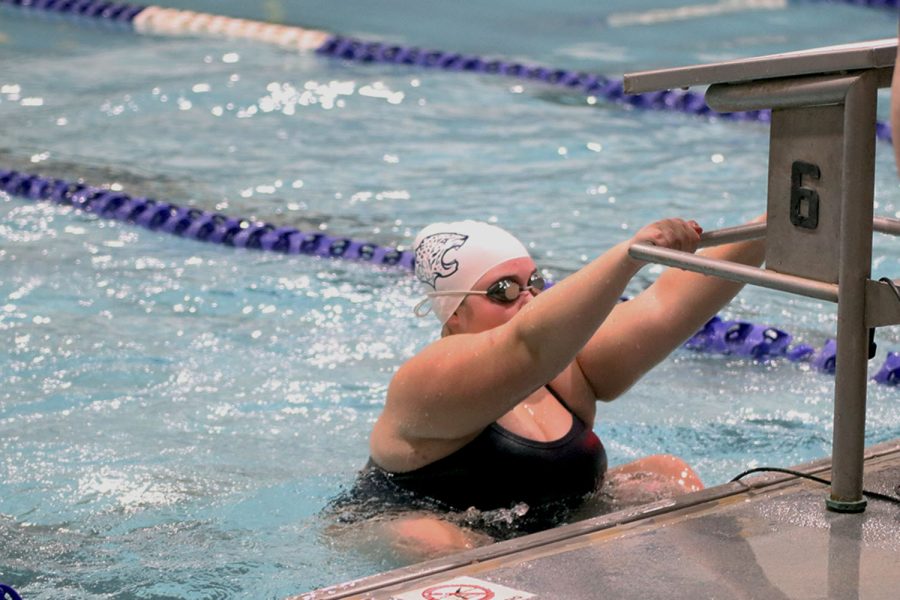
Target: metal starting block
[820, 206]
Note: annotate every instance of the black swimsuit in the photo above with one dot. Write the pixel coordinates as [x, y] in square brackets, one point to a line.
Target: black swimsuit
[497, 470]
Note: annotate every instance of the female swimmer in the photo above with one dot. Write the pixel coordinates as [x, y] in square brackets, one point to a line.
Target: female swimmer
[498, 413]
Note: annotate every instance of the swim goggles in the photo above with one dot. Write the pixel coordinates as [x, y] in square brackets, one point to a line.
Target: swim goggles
[504, 291]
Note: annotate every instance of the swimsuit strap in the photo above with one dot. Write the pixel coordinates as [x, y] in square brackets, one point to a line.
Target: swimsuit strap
[559, 398]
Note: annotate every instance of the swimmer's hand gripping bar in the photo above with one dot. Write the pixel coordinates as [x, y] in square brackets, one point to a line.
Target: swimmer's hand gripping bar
[734, 271]
[880, 298]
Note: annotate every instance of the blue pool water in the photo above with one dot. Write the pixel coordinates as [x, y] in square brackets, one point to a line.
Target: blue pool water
[174, 415]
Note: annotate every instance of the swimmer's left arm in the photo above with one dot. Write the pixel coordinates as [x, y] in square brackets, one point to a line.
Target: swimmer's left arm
[640, 333]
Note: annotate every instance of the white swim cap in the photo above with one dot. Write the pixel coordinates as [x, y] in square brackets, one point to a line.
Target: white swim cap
[452, 257]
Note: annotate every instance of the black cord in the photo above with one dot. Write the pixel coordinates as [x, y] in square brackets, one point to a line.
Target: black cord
[873, 495]
[892, 285]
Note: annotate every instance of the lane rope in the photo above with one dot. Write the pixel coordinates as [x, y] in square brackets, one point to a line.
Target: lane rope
[201, 225]
[740, 338]
[157, 20]
[8, 591]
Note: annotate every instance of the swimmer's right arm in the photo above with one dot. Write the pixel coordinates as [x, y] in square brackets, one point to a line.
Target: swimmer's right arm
[461, 383]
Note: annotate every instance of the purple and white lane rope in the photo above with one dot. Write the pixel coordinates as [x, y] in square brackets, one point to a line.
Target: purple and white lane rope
[169, 21]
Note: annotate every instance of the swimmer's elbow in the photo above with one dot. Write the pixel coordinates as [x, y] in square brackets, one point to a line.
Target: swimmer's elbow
[613, 393]
[607, 386]
[608, 393]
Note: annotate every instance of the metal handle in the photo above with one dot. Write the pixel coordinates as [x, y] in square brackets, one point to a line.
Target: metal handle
[735, 271]
[728, 235]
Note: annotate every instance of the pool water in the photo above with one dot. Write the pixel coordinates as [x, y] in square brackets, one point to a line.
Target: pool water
[174, 415]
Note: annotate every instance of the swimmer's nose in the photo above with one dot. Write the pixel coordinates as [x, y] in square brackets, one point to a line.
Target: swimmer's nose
[526, 296]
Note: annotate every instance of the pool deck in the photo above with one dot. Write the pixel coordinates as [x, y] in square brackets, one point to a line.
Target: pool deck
[768, 536]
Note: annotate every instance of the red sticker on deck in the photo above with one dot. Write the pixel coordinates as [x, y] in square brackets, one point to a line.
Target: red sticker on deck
[457, 590]
[464, 588]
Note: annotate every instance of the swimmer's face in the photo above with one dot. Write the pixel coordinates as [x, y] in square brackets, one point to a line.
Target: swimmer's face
[480, 312]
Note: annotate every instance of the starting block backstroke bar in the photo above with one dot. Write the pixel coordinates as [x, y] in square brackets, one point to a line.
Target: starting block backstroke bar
[768, 278]
[735, 272]
[819, 208]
